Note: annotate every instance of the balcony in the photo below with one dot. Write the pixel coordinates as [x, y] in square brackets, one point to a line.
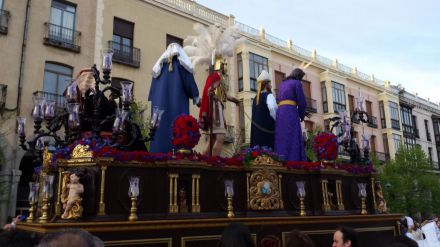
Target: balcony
[383, 157]
[311, 105]
[4, 21]
[372, 122]
[59, 99]
[125, 54]
[62, 37]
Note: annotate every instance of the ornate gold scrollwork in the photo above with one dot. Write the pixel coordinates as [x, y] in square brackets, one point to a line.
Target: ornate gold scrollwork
[264, 160]
[264, 190]
[47, 158]
[81, 153]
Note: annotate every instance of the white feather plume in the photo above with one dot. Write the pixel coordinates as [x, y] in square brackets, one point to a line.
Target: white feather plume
[211, 39]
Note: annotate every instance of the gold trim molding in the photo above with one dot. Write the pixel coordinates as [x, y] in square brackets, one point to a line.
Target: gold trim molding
[168, 241]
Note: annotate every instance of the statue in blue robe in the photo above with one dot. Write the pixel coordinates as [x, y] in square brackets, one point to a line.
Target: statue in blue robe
[172, 86]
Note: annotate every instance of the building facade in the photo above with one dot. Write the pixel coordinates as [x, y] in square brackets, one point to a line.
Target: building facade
[47, 43]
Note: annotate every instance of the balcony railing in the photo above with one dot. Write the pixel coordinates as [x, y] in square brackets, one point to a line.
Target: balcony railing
[395, 124]
[59, 99]
[62, 37]
[372, 122]
[125, 54]
[311, 105]
[381, 156]
[4, 21]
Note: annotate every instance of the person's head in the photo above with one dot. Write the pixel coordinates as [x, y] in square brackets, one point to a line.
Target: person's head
[345, 237]
[296, 238]
[236, 235]
[15, 239]
[297, 74]
[404, 240]
[66, 237]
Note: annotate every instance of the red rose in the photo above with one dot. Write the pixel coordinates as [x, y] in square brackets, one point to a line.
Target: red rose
[255, 154]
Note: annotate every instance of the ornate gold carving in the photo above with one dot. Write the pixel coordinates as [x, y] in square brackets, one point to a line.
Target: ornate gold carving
[230, 207]
[47, 158]
[264, 192]
[339, 195]
[264, 160]
[195, 204]
[30, 218]
[380, 199]
[325, 200]
[82, 152]
[70, 197]
[58, 205]
[173, 207]
[101, 210]
[363, 206]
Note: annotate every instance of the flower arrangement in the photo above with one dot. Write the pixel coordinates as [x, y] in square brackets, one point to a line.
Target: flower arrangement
[325, 145]
[249, 154]
[186, 132]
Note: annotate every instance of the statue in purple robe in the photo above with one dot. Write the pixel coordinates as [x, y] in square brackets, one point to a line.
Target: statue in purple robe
[289, 142]
[172, 86]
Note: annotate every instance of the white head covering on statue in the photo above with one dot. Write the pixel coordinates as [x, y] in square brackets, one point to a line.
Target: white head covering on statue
[173, 49]
[264, 76]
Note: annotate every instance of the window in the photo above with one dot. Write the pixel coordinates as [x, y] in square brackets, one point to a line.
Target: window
[369, 108]
[1, 4]
[279, 77]
[240, 72]
[408, 126]
[242, 123]
[385, 144]
[373, 143]
[382, 115]
[428, 134]
[430, 154]
[351, 103]
[122, 41]
[173, 39]
[256, 65]
[62, 22]
[397, 141]
[338, 93]
[394, 113]
[56, 79]
[416, 130]
[324, 97]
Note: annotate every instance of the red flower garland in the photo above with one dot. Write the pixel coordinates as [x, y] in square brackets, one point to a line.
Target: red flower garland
[325, 145]
[186, 132]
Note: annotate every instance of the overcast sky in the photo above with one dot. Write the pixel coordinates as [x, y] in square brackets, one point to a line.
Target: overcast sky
[396, 40]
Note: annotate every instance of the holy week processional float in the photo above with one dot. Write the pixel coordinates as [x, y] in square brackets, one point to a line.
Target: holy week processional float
[95, 171]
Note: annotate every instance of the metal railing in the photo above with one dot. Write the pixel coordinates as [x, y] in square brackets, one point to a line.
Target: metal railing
[58, 98]
[372, 122]
[62, 37]
[125, 54]
[4, 21]
[311, 105]
[381, 156]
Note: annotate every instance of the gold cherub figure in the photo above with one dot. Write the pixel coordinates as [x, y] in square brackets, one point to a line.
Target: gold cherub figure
[71, 196]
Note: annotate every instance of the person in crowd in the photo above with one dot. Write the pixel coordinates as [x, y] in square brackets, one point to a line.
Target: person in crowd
[404, 240]
[264, 108]
[236, 235]
[289, 142]
[12, 238]
[67, 238]
[296, 238]
[345, 237]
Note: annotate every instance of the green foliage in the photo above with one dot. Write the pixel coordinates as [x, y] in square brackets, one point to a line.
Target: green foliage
[410, 185]
[310, 154]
